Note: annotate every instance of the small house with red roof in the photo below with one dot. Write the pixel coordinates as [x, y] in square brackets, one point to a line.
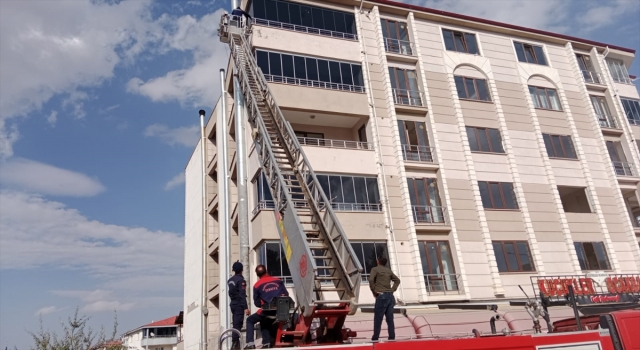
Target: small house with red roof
[164, 334]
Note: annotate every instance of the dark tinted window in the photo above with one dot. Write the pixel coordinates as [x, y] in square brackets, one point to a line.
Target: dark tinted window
[294, 14]
[258, 9]
[368, 253]
[323, 71]
[460, 42]
[472, 88]
[334, 70]
[484, 140]
[271, 10]
[345, 70]
[513, 256]
[312, 68]
[287, 66]
[530, 53]
[559, 146]
[275, 67]
[497, 195]
[300, 67]
[592, 255]
[263, 61]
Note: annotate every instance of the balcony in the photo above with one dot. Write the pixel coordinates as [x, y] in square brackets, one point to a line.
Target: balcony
[397, 46]
[607, 121]
[366, 207]
[422, 154]
[407, 97]
[313, 83]
[429, 214]
[591, 77]
[442, 284]
[624, 169]
[160, 340]
[310, 141]
[303, 29]
[633, 121]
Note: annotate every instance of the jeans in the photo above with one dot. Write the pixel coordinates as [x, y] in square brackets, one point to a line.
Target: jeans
[265, 327]
[384, 308]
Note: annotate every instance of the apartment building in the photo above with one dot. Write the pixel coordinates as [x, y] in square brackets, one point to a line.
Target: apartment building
[164, 334]
[475, 155]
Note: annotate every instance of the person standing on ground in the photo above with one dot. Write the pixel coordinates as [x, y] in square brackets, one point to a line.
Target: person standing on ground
[380, 279]
[264, 291]
[239, 308]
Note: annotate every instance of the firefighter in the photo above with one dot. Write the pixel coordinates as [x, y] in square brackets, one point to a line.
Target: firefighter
[239, 14]
[239, 308]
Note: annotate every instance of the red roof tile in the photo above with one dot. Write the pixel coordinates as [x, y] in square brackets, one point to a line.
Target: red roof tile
[166, 322]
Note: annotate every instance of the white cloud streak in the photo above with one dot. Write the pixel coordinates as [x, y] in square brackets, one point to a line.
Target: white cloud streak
[52, 118]
[175, 182]
[47, 179]
[48, 310]
[184, 136]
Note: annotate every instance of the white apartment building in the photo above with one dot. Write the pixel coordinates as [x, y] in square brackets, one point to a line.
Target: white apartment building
[165, 334]
[476, 155]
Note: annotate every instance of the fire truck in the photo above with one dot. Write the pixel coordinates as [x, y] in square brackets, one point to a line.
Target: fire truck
[327, 274]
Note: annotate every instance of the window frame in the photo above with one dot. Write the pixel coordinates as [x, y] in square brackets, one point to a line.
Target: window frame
[465, 45]
[562, 146]
[365, 273]
[369, 196]
[538, 105]
[476, 130]
[423, 246]
[587, 264]
[532, 51]
[631, 109]
[502, 196]
[621, 74]
[262, 253]
[519, 269]
[475, 86]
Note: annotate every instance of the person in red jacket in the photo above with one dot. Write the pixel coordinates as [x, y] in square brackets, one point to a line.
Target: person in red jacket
[264, 291]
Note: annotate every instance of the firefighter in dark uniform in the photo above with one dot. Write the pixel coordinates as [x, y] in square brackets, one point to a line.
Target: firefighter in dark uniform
[239, 308]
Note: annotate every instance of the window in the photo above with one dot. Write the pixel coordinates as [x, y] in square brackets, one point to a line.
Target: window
[513, 256]
[311, 19]
[559, 146]
[497, 195]
[619, 160]
[618, 71]
[460, 42]
[396, 37]
[437, 266]
[586, 68]
[271, 255]
[307, 71]
[264, 192]
[530, 53]
[425, 200]
[484, 140]
[592, 255]
[414, 141]
[404, 83]
[368, 253]
[605, 119]
[351, 193]
[472, 88]
[632, 110]
[574, 199]
[545, 98]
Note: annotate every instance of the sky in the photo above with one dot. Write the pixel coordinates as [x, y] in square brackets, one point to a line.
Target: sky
[99, 109]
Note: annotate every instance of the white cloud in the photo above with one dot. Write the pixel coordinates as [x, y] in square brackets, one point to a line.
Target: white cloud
[103, 305]
[48, 310]
[75, 102]
[59, 47]
[185, 136]
[37, 232]
[47, 179]
[196, 85]
[96, 300]
[175, 182]
[52, 118]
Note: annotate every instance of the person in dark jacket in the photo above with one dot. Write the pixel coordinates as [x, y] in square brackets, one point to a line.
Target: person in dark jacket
[264, 291]
[238, 294]
[380, 279]
[239, 13]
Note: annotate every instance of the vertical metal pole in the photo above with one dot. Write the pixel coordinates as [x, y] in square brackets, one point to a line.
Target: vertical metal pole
[223, 254]
[572, 299]
[234, 4]
[243, 204]
[203, 301]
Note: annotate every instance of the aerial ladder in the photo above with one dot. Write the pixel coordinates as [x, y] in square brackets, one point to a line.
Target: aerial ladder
[325, 270]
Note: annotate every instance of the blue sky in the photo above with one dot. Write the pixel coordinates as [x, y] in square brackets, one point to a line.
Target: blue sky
[98, 116]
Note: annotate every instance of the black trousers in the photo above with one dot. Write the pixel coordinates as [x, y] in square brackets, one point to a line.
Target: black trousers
[384, 308]
[266, 324]
[237, 314]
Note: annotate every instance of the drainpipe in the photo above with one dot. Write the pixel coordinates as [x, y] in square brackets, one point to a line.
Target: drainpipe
[243, 205]
[203, 301]
[223, 251]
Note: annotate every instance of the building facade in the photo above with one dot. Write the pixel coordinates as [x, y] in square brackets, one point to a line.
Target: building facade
[158, 335]
[474, 154]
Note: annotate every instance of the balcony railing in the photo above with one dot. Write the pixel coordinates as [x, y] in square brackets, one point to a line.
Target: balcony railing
[303, 29]
[425, 214]
[607, 121]
[310, 141]
[402, 47]
[442, 283]
[624, 169]
[370, 207]
[633, 121]
[407, 97]
[414, 153]
[592, 77]
[313, 83]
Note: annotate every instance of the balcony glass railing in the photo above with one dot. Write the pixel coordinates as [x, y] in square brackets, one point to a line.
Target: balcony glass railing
[310, 141]
[624, 169]
[442, 283]
[592, 77]
[303, 29]
[270, 205]
[407, 97]
[414, 153]
[313, 83]
[607, 121]
[425, 214]
[398, 46]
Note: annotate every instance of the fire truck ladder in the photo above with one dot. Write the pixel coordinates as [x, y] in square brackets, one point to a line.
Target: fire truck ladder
[320, 257]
